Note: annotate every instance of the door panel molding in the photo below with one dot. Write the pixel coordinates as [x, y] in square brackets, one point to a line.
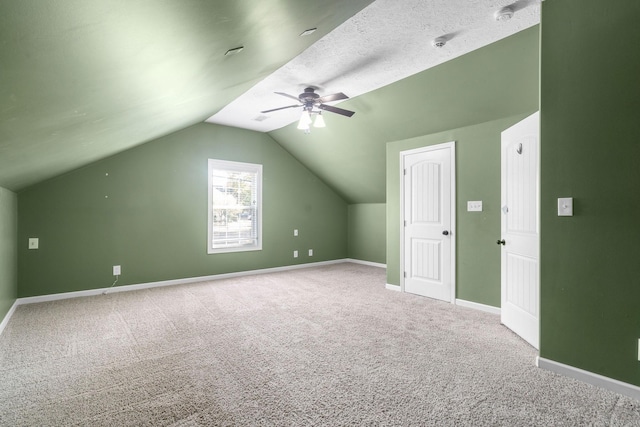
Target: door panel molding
[429, 216]
[520, 229]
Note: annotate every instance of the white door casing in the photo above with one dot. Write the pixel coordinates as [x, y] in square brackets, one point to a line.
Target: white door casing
[428, 219]
[520, 229]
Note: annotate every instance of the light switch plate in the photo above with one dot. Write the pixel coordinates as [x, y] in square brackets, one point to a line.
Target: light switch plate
[295, 232]
[565, 206]
[33, 243]
[474, 206]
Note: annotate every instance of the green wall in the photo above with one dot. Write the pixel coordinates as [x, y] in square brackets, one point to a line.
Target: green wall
[84, 80]
[590, 149]
[8, 250]
[367, 225]
[477, 178]
[146, 210]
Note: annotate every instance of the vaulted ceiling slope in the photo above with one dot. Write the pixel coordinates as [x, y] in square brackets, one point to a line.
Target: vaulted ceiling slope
[82, 80]
[385, 42]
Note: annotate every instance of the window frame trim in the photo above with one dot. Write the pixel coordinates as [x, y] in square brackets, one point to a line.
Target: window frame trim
[229, 165]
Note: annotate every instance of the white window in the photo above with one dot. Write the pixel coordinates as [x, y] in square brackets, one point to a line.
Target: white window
[235, 206]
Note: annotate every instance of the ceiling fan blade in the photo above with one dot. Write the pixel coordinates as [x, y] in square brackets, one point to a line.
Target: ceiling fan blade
[335, 97]
[288, 96]
[281, 108]
[336, 110]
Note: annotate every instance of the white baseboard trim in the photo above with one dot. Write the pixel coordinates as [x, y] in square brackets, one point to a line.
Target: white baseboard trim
[372, 264]
[391, 287]
[477, 306]
[139, 286]
[4, 322]
[626, 389]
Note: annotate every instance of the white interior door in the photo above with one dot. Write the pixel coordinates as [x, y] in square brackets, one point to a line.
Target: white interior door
[520, 239]
[428, 212]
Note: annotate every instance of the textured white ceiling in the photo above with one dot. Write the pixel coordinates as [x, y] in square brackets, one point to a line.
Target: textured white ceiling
[387, 41]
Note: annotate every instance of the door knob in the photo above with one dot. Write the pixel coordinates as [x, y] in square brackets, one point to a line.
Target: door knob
[501, 242]
[445, 232]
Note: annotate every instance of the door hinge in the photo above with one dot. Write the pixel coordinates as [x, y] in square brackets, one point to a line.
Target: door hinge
[405, 223]
[404, 172]
[405, 274]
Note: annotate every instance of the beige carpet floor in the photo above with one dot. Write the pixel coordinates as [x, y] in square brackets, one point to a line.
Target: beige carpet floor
[324, 346]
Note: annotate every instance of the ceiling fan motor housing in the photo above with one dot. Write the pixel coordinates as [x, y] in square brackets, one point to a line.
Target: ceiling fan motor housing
[308, 97]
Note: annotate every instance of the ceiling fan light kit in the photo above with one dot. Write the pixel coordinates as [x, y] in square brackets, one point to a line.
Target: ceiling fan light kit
[309, 100]
[305, 120]
[319, 123]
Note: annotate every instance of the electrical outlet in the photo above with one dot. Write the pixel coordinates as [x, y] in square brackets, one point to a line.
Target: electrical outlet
[295, 232]
[116, 270]
[474, 206]
[295, 254]
[33, 243]
[310, 252]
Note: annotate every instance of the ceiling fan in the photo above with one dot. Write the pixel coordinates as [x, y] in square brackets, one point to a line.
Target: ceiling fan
[309, 100]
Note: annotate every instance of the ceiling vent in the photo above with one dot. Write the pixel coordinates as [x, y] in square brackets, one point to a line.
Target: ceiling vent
[504, 14]
[234, 51]
[439, 42]
[307, 32]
